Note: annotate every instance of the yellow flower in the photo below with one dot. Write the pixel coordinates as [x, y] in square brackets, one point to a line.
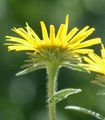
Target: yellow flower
[72, 41]
[95, 62]
[64, 48]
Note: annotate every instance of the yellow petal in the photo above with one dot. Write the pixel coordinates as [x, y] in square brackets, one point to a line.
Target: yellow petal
[44, 32]
[103, 51]
[88, 60]
[94, 68]
[24, 35]
[52, 34]
[79, 35]
[96, 58]
[32, 33]
[67, 20]
[20, 47]
[83, 51]
[86, 34]
[65, 27]
[19, 40]
[88, 43]
[60, 31]
[71, 34]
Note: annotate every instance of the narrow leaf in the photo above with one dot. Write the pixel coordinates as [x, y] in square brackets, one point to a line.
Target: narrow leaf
[30, 69]
[76, 67]
[63, 94]
[87, 111]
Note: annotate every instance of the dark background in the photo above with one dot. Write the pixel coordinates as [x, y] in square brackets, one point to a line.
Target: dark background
[24, 98]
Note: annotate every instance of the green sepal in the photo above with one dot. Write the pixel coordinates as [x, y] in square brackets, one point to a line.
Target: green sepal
[30, 69]
[63, 94]
[76, 67]
[99, 80]
[87, 111]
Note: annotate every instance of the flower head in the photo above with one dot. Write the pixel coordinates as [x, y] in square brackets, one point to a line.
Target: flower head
[96, 63]
[63, 47]
[72, 41]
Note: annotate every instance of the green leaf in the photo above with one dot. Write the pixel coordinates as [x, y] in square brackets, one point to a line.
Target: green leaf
[101, 92]
[63, 94]
[87, 111]
[30, 69]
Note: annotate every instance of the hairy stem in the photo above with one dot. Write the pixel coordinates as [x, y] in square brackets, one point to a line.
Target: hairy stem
[52, 70]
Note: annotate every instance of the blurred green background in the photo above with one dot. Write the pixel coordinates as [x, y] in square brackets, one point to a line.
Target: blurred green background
[24, 98]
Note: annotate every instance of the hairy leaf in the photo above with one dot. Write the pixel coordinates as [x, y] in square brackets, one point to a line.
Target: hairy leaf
[63, 94]
[87, 111]
[30, 69]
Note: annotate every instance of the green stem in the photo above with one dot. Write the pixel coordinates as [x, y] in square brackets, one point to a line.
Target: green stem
[52, 70]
